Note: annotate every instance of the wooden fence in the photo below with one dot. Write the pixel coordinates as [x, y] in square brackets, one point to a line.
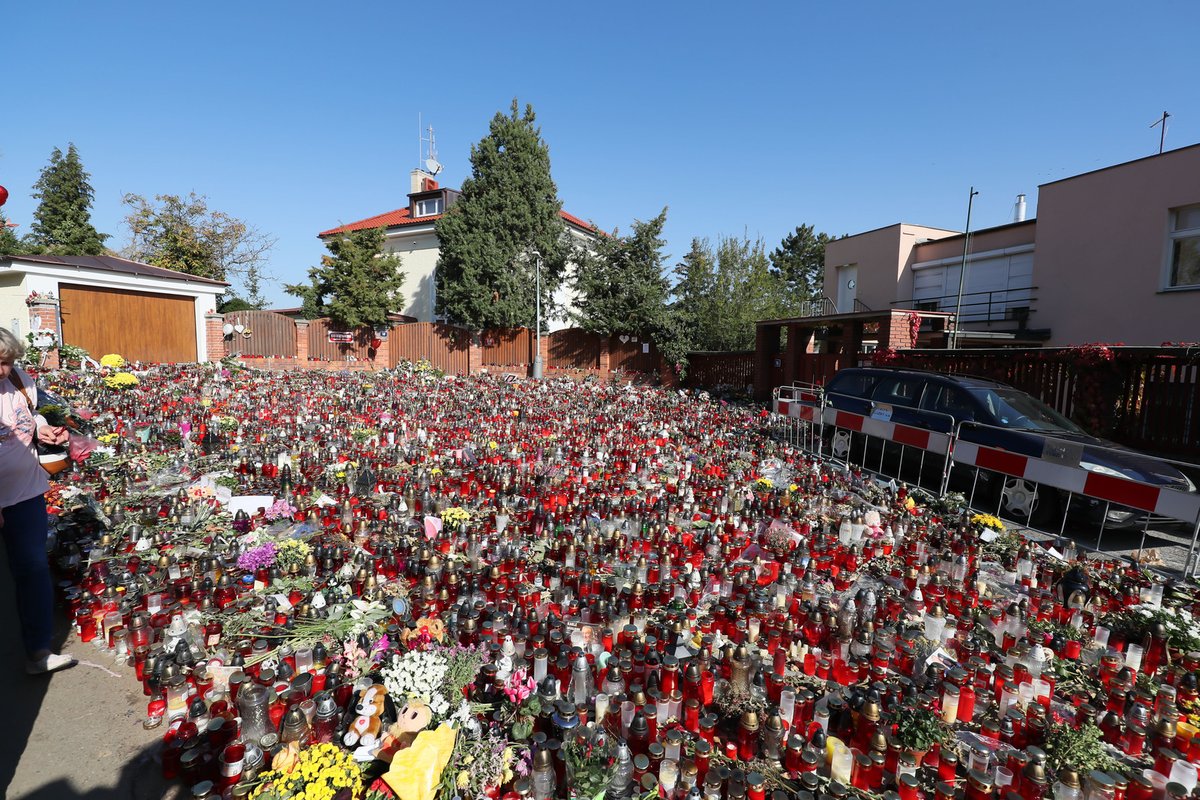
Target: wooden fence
[734, 370]
[266, 334]
[1143, 397]
[630, 354]
[574, 349]
[446, 347]
[508, 347]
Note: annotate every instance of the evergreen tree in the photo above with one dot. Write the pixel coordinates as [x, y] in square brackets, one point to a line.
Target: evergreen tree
[10, 245]
[508, 209]
[620, 284]
[693, 292]
[62, 222]
[800, 262]
[356, 284]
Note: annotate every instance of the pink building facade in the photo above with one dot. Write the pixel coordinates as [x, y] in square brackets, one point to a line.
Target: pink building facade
[1114, 256]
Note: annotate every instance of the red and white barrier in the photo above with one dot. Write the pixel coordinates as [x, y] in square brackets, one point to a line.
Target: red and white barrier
[1119, 491]
[906, 435]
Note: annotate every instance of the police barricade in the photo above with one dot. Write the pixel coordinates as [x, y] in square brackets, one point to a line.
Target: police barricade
[798, 414]
[1083, 485]
[904, 450]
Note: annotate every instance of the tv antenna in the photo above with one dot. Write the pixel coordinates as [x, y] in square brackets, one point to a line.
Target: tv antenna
[427, 152]
[1162, 134]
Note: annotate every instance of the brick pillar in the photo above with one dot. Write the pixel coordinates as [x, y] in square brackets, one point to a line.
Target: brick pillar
[383, 356]
[475, 355]
[45, 311]
[301, 342]
[545, 353]
[214, 337]
[605, 359]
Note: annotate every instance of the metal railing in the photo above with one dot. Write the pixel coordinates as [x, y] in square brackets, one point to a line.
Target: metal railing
[1013, 305]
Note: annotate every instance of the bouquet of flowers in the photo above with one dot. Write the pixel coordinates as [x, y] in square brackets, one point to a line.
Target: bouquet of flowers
[322, 772]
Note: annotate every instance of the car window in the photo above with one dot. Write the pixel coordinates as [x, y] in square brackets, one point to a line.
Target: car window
[898, 391]
[854, 384]
[946, 399]
[1011, 408]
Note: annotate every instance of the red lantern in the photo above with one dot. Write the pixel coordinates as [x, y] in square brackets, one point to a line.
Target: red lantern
[3, 195]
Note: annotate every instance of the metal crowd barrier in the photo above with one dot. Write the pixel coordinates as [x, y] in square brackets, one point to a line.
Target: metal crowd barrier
[1045, 470]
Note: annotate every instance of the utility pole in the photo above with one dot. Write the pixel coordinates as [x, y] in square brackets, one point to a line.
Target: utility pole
[962, 272]
[1162, 134]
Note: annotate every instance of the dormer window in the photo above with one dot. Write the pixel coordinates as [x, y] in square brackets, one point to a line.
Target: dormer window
[429, 207]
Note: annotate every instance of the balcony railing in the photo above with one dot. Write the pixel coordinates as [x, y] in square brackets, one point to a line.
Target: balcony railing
[1000, 305]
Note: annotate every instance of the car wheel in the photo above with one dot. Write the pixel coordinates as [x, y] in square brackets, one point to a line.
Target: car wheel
[1018, 499]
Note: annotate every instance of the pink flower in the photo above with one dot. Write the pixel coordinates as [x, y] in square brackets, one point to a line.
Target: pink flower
[519, 686]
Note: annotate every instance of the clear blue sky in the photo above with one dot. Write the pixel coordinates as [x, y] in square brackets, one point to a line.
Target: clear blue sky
[742, 118]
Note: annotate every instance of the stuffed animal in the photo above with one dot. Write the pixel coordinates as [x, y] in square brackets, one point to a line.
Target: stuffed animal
[366, 727]
[410, 720]
[431, 626]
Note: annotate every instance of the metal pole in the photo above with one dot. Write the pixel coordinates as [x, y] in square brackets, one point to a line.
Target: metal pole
[963, 271]
[537, 358]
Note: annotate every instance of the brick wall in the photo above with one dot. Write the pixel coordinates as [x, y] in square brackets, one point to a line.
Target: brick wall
[45, 312]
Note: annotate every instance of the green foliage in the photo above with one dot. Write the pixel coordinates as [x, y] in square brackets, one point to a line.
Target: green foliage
[620, 282]
[232, 302]
[508, 210]
[62, 222]
[719, 296]
[1082, 750]
[799, 262]
[10, 245]
[183, 234]
[918, 728]
[356, 284]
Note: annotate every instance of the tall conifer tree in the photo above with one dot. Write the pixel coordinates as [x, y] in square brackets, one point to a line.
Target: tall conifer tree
[62, 222]
[508, 210]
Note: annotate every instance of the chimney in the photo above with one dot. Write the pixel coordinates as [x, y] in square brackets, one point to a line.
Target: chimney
[1019, 209]
[420, 181]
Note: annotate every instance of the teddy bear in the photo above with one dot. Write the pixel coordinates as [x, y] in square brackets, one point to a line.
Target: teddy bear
[431, 626]
[410, 721]
[365, 729]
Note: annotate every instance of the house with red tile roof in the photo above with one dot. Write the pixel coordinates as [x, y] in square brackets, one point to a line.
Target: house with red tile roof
[409, 232]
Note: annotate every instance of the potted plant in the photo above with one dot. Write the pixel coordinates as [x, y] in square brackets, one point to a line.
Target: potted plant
[917, 730]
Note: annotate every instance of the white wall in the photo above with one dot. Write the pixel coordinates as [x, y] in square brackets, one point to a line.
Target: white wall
[12, 302]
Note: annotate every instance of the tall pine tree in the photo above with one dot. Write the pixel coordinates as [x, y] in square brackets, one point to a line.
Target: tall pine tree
[10, 245]
[62, 222]
[619, 283]
[800, 262]
[356, 284]
[508, 210]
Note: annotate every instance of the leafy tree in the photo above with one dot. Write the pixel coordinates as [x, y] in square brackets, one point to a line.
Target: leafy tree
[10, 245]
[62, 222]
[695, 281]
[356, 284]
[620, 283]
[721, 295]
[508, 209]
[800, 262]
[183, 234]
[231, 302]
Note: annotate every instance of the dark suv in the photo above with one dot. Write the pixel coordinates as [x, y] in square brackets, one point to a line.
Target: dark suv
[1015, 422]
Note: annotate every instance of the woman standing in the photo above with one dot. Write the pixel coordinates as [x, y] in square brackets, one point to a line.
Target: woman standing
[23, 507]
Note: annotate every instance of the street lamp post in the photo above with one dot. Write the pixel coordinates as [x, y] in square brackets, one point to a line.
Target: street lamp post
[962, 272]
[537, 357]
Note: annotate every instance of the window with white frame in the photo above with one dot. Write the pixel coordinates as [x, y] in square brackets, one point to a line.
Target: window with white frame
[1183, 268]
[427, 208]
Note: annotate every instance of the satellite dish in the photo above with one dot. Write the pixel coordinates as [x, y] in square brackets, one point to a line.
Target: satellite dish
[432, 166]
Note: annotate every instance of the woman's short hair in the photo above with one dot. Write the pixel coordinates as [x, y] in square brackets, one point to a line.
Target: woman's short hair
[11, 348]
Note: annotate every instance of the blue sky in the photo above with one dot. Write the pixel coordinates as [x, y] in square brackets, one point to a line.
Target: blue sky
[746, 118]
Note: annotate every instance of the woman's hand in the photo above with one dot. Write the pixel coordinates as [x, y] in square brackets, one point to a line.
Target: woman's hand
[49, 434]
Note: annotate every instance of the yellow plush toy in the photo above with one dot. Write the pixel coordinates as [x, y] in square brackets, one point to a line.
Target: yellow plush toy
[416, 771]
